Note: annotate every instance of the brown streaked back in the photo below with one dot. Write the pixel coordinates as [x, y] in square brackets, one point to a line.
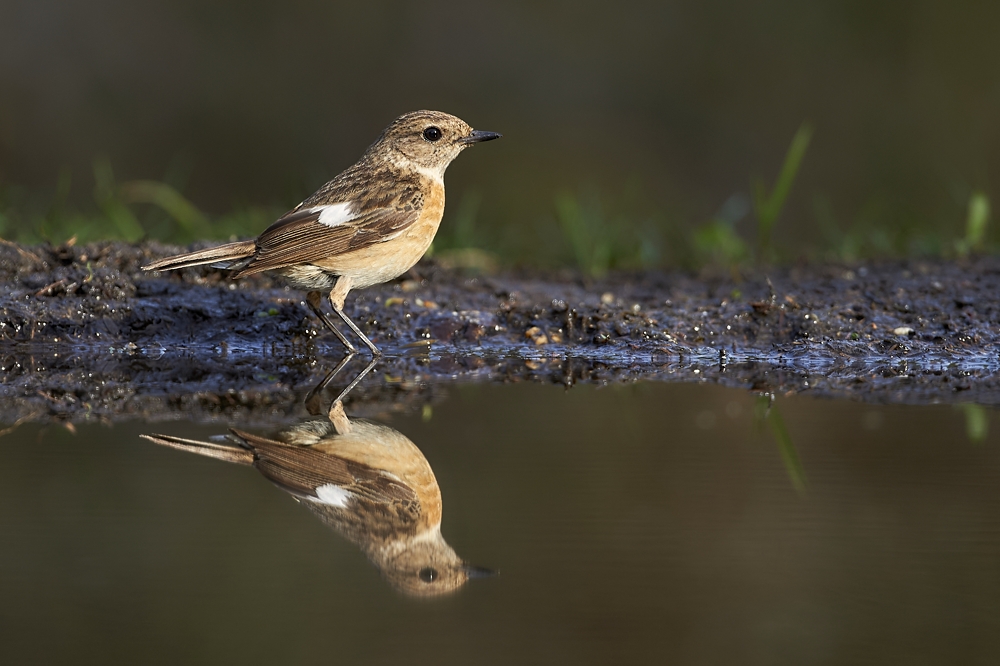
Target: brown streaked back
[302, 469]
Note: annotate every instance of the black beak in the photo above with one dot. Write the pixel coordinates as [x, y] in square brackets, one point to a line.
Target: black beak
[479, 572]
[478, 136]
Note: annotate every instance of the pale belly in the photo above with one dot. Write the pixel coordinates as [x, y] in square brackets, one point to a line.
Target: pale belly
[389, 451]
[380, 262]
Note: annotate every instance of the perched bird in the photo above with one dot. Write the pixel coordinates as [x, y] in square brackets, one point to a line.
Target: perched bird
[366, 481]
[367, 226]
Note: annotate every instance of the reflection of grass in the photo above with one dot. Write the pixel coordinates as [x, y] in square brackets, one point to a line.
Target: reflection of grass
[977, 422]
[766, 414]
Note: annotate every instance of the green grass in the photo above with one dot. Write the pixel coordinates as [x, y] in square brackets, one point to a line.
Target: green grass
[593, 230]
[718, 242]
[977, 221]
[767, 206]
[601, 236]
[130, 211]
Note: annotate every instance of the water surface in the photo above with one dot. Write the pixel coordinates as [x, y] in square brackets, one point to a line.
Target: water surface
[636, 523]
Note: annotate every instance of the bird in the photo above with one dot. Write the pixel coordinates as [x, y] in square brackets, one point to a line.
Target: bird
[365, 480]
[368, 225]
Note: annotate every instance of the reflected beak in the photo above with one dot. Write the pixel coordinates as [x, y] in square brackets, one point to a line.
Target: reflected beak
[479, 572]
[478, 136]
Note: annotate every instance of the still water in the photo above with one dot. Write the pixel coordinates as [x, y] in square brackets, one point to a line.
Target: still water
[643, 523]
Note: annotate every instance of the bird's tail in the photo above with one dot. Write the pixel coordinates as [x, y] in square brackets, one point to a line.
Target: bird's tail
[228, 453]
[226, 256]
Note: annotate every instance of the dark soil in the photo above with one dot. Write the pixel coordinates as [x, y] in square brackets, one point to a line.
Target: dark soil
[84, 333]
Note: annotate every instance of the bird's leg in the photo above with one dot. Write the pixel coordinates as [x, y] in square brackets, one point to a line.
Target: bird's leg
[313, 298]
[339, 419]
[337, 296]
[357, 380]
[312, 399]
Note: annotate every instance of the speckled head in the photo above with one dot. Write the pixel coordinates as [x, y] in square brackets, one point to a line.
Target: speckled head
[427, 567]
[426, 141]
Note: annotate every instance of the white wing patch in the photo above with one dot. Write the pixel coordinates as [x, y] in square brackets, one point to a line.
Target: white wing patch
[335, 215]
[333, 495]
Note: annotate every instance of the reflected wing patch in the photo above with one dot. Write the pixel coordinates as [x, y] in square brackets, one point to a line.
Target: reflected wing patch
[308, 472]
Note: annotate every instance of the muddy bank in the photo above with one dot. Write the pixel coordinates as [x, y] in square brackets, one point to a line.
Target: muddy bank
[84, 332]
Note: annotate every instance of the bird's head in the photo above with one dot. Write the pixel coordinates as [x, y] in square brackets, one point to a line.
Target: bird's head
[427, 141]
[428, 567]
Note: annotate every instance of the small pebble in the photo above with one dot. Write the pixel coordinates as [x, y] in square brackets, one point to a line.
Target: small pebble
[536, 335]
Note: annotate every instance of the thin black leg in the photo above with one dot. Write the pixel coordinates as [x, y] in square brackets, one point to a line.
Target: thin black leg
[357, 380]
[313, 397]
[313, 298]
[376, 352]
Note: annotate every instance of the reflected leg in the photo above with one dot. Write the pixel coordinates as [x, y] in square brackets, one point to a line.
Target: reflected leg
[357, 380]
[313, 397]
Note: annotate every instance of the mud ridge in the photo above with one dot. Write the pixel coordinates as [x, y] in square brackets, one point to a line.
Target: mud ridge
[84, 333]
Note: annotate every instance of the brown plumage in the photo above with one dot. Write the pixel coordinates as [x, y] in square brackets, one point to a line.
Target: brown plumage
[368, 225]
[366, 481]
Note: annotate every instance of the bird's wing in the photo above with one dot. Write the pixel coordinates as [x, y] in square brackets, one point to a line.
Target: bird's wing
[307, 472]
[311, 234]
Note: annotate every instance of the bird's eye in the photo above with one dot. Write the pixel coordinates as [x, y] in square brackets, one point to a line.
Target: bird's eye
[428, 574]
[432, 133]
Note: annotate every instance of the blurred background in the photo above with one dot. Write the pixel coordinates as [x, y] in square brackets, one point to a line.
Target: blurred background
[667, 133]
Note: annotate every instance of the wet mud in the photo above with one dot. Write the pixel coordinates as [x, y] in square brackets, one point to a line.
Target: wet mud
[85, 334]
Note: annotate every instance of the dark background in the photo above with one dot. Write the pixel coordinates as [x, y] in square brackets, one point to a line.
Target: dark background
[674, 105]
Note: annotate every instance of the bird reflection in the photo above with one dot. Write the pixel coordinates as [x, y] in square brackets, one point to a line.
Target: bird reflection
[365, 480]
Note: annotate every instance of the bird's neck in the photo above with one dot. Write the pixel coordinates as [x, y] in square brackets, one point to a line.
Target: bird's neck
[402, 164]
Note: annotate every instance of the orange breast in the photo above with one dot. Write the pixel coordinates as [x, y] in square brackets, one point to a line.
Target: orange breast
[381, 262]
